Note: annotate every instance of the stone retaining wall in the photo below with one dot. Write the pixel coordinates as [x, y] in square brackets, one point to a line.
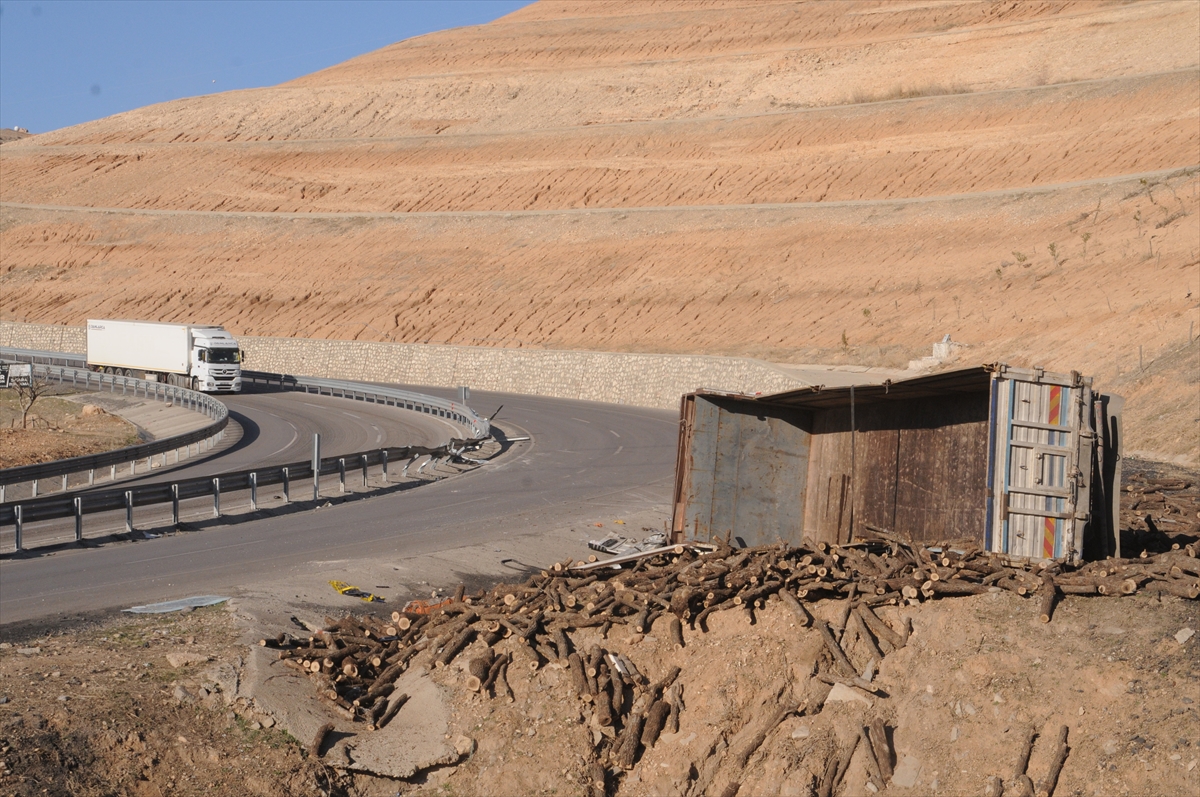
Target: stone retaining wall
[644, 380]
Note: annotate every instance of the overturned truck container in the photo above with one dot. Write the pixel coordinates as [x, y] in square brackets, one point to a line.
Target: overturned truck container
[1020, 461]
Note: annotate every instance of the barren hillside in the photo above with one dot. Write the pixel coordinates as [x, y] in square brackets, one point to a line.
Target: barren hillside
[793, 181]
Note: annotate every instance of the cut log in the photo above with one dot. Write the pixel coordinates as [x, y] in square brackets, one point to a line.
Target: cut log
[656, 719]
[1047, 784]
[882, 748]
[579, 680]
[629, 742]
[874, 771]
[742, 755]
[675, 631]
[395, 703]
[1022, 764]
[454, 646]
[1049, 596]
[839, 655]
[314, 749]
[789, 600]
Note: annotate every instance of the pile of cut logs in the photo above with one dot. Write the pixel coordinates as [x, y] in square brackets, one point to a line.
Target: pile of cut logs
[355, 661]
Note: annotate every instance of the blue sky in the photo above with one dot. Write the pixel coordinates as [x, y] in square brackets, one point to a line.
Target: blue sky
[63, 62]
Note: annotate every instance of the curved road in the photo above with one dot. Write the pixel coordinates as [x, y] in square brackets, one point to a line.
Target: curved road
[579, 452]
[276, 427]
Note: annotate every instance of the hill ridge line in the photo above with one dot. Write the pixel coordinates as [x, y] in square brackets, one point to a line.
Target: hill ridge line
[283, 142]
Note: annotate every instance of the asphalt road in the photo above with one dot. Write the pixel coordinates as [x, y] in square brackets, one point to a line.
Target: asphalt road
[578, 452]
[277, 427]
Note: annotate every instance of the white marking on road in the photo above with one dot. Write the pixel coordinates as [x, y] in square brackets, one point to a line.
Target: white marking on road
[581, 420]
[614, 433]
[618, 451]
[351, 414]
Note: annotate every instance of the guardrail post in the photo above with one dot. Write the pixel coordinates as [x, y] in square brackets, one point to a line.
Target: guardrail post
[129, 511]
[112, 473]
[316, 466]
[383, 463]
[78, 518]
[20, 527]
[341, 475]
[91, 476]
[216, 497]
[175, 504]
[1, 493]
[35, 485]
[287, 492]
[364, 469]
[254, 491]
[64, 487]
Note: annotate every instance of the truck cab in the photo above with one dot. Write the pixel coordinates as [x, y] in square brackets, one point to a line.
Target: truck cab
[216, 360]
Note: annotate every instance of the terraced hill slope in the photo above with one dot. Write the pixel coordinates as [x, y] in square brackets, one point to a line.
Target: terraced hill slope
[844, 181]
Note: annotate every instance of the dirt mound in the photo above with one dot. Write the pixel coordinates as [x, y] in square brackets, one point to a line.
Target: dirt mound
[836, 181]
[755, 677]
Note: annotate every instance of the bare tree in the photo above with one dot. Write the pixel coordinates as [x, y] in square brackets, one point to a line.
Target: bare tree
[28, 393]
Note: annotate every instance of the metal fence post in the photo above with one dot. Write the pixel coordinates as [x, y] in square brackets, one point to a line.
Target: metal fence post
[20, 526]
[129, 511]
[216, 497]
[341, 475]
[91, 477]
[35, 486]
[64, 487]
[254, 491]
[78, 518]
[383, 463]
[316, 466]
[1, 493]
[112, 472]
[287, 493]
[175, 504]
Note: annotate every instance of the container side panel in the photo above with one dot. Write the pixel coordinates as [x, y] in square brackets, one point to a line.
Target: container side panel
[137, 345]
[771, 481]
[725, 472]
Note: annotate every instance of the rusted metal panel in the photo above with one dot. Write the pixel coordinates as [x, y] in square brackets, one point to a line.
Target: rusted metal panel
[747, 472]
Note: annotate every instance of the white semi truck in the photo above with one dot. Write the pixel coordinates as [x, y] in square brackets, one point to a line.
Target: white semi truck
[197, 356]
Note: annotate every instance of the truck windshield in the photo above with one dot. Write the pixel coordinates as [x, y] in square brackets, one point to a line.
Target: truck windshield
[222, 356]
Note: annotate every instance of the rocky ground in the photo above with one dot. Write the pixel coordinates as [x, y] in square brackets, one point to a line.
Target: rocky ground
[182, 703]
[58, 428]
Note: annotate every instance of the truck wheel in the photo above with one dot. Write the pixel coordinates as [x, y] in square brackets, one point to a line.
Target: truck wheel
[195, 384]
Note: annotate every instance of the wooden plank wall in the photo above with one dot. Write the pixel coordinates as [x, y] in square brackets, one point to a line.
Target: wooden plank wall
[920, 468]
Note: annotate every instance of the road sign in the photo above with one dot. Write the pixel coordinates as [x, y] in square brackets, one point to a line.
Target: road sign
[15, 374]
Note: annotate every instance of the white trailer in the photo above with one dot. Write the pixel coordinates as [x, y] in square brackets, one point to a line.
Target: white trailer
[197, 356]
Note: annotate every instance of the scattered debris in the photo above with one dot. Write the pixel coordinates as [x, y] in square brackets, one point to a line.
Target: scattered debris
[354, 592]
[355, 662]
[177, 605]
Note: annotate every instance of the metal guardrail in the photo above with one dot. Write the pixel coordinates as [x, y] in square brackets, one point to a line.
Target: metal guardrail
[128, 386]
[78, 505]
[476, 426]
